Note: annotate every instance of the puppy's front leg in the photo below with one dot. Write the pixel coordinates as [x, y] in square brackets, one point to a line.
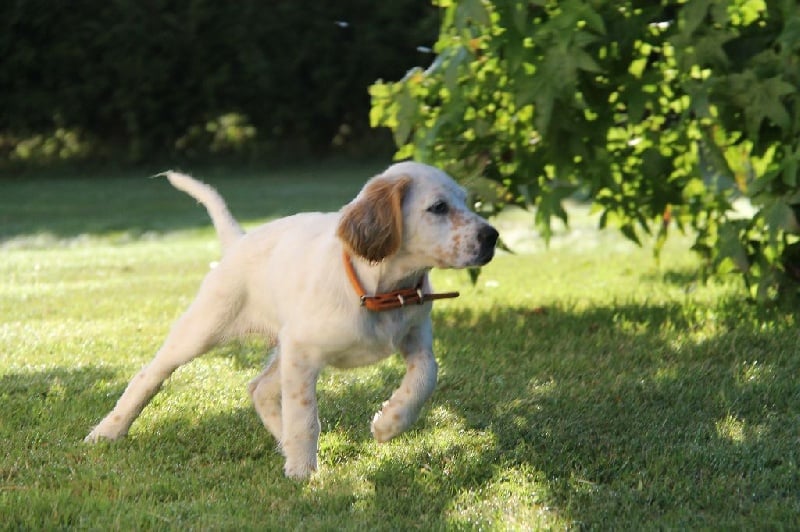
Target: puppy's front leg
[403, 407]
[300, 431]
[265, 390]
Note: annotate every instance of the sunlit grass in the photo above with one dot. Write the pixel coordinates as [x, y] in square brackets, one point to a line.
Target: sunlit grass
[582, 385]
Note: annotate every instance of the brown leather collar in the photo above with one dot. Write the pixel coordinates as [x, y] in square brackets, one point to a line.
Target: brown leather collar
[390, 300]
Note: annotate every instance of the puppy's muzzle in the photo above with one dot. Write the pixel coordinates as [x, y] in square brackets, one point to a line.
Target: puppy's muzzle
[487, 240]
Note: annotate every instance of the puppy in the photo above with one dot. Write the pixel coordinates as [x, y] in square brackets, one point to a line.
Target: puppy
[344, 289]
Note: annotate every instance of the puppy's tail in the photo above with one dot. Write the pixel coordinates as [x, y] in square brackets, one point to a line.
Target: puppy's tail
[228, 229]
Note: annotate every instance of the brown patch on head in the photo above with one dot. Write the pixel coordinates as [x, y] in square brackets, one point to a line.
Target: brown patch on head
[458, 220]
[372, 226]
[447, 257]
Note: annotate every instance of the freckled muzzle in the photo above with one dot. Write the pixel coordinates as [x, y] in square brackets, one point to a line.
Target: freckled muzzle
[487, 240]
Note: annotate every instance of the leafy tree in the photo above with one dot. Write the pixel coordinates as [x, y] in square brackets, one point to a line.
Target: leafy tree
[663, 113]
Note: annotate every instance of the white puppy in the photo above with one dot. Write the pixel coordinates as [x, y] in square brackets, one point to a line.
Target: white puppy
[344, 289]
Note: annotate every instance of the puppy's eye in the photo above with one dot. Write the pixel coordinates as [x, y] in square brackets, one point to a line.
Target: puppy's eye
[440, 207]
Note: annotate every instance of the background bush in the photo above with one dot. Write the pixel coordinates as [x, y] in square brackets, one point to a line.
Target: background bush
[154, 77]
[664, 114]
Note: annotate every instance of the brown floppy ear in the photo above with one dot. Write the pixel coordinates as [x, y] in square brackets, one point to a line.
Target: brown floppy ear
[372, 225]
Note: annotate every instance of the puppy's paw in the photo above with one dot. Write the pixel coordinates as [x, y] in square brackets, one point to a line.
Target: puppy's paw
[386, 425]
[106, 430]
[100, 434]
[299, 470]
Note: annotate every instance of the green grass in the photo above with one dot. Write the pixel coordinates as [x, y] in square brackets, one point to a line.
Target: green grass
[581, 386]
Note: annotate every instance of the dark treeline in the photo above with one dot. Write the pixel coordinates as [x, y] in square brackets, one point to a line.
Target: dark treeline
[146, 78]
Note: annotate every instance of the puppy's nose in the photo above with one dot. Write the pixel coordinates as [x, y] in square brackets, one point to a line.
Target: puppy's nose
[487, 239]
[487, 236]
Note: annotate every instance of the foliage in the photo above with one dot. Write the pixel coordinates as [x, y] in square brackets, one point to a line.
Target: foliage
[663, 113]
[150, 77]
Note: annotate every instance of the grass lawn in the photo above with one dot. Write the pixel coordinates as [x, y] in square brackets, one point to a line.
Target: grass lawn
[580, 386]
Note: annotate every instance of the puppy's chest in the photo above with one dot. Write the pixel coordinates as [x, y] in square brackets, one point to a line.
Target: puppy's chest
[390, 326]
[377, 336]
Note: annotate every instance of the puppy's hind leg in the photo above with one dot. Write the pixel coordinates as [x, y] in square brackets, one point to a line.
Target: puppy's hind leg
[197, 331]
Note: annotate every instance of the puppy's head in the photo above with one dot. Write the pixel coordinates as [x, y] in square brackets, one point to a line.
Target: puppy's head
[420, 212]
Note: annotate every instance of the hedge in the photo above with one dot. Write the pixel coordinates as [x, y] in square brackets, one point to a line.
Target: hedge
[162, 76]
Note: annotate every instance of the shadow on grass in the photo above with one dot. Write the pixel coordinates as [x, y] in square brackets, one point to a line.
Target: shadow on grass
[630, 416]
[636, 412]
[31, 399]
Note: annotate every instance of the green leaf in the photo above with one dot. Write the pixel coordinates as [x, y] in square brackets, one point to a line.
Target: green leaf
[760, 99]
[661, 239]
[453, 62]
[790, 166]
[474, 273]
[770, 93]
[777, 215]
[471, 12]
[637, 66]
[586, 62]
[629, 231]
[730, 246]
[709, 49]
[693, 15]
[789, 39]
[525, 90]
[593, 19]
[406, 117]
[636, 104]
[544, 101]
